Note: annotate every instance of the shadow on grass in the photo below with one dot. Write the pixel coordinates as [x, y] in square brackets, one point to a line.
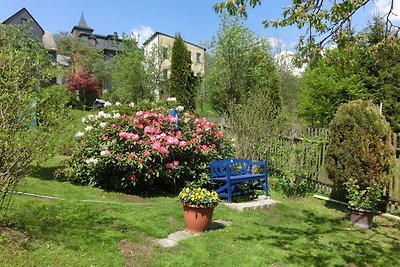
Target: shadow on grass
[44, 173]
[74, 225]
[310, 239]
[336, 206]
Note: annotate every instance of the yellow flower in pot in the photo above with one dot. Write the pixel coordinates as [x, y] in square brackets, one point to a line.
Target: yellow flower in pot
[198, 207]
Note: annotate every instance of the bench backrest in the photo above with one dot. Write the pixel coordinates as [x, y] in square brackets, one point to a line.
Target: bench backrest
[231, 167]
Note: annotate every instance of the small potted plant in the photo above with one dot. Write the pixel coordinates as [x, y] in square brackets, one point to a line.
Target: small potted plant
[198, 206]
[363, 201]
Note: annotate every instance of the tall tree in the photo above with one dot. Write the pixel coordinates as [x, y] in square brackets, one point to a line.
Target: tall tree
[367, 68]
[153, 65]
[129, 76]
[182, 81]
[242, 65]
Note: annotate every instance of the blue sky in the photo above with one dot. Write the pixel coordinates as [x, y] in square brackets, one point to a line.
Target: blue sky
[195, 20]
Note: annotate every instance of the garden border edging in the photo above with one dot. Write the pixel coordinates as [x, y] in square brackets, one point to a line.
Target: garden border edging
[383, 214]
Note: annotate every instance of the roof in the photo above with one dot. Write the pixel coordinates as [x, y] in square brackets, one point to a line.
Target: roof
[48, 41]
[101, 36]
[22, 10]
[160, 33]
[82, 25]
[105, 42]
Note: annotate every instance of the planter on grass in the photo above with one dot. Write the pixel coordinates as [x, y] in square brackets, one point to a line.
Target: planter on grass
[197, 219]
[198, 207]
[361, 218]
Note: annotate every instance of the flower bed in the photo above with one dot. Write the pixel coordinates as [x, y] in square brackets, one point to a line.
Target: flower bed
[143, 150]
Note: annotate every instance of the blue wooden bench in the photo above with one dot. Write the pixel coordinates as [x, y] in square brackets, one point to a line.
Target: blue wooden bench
[230, 173]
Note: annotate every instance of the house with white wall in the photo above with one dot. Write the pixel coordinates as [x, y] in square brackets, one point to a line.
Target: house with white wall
[159, 48]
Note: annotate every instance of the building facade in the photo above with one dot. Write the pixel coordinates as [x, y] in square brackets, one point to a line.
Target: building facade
[162, 43]
[23, 17]
[109, 44]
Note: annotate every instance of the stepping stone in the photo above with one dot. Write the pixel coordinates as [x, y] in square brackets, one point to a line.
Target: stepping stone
[251, 205]
[166, 243]
[180, 235]
[174, 238]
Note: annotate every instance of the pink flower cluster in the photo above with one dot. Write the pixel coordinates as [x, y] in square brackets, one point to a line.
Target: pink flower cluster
[202, 124]
[172, 164]
[160, 148]
[130, 136]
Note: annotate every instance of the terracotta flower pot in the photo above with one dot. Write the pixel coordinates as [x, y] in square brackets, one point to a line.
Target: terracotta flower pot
[197, 219]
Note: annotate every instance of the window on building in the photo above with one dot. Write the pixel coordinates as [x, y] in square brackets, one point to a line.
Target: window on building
[198, 57]
[23, 21]
[165, 52]
[165, 74]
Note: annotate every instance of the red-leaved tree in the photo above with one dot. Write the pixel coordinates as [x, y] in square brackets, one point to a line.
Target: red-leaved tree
[86, 87]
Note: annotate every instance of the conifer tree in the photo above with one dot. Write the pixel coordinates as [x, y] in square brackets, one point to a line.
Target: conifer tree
[182, 81]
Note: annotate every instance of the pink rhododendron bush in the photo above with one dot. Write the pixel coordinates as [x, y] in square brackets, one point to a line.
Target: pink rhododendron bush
[144, 150]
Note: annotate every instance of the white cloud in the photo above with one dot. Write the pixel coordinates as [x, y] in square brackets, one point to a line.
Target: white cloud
[277, 43]
[284, 59]
[382, 7]
[142, 33]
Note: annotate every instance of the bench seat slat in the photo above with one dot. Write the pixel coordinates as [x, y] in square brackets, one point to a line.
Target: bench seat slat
[243, 177]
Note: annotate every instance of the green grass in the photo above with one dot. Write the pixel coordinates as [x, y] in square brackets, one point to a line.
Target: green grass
[297, 232]
[205, 109]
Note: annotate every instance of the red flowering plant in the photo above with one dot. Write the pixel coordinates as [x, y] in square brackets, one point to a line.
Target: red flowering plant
[144, 149]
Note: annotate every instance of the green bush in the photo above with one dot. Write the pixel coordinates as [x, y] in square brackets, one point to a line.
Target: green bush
[359, 154]
[24, 67]
[52, 103]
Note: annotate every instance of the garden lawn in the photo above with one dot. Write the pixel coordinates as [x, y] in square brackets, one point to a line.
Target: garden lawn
[305, 232]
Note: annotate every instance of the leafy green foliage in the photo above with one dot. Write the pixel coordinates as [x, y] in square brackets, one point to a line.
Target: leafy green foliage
[322, 19]
[290, 88]
[242, 66]
[332, 81]
[359, 153]
[24, 67]
[182, 82]
[52, 103]
[366, 67]
[128, 75]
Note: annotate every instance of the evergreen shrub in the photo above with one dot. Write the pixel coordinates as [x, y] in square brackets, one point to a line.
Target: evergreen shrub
[359, 154]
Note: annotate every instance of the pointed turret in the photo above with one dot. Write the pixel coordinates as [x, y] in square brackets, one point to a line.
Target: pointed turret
[82, 22]
[82, 27]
